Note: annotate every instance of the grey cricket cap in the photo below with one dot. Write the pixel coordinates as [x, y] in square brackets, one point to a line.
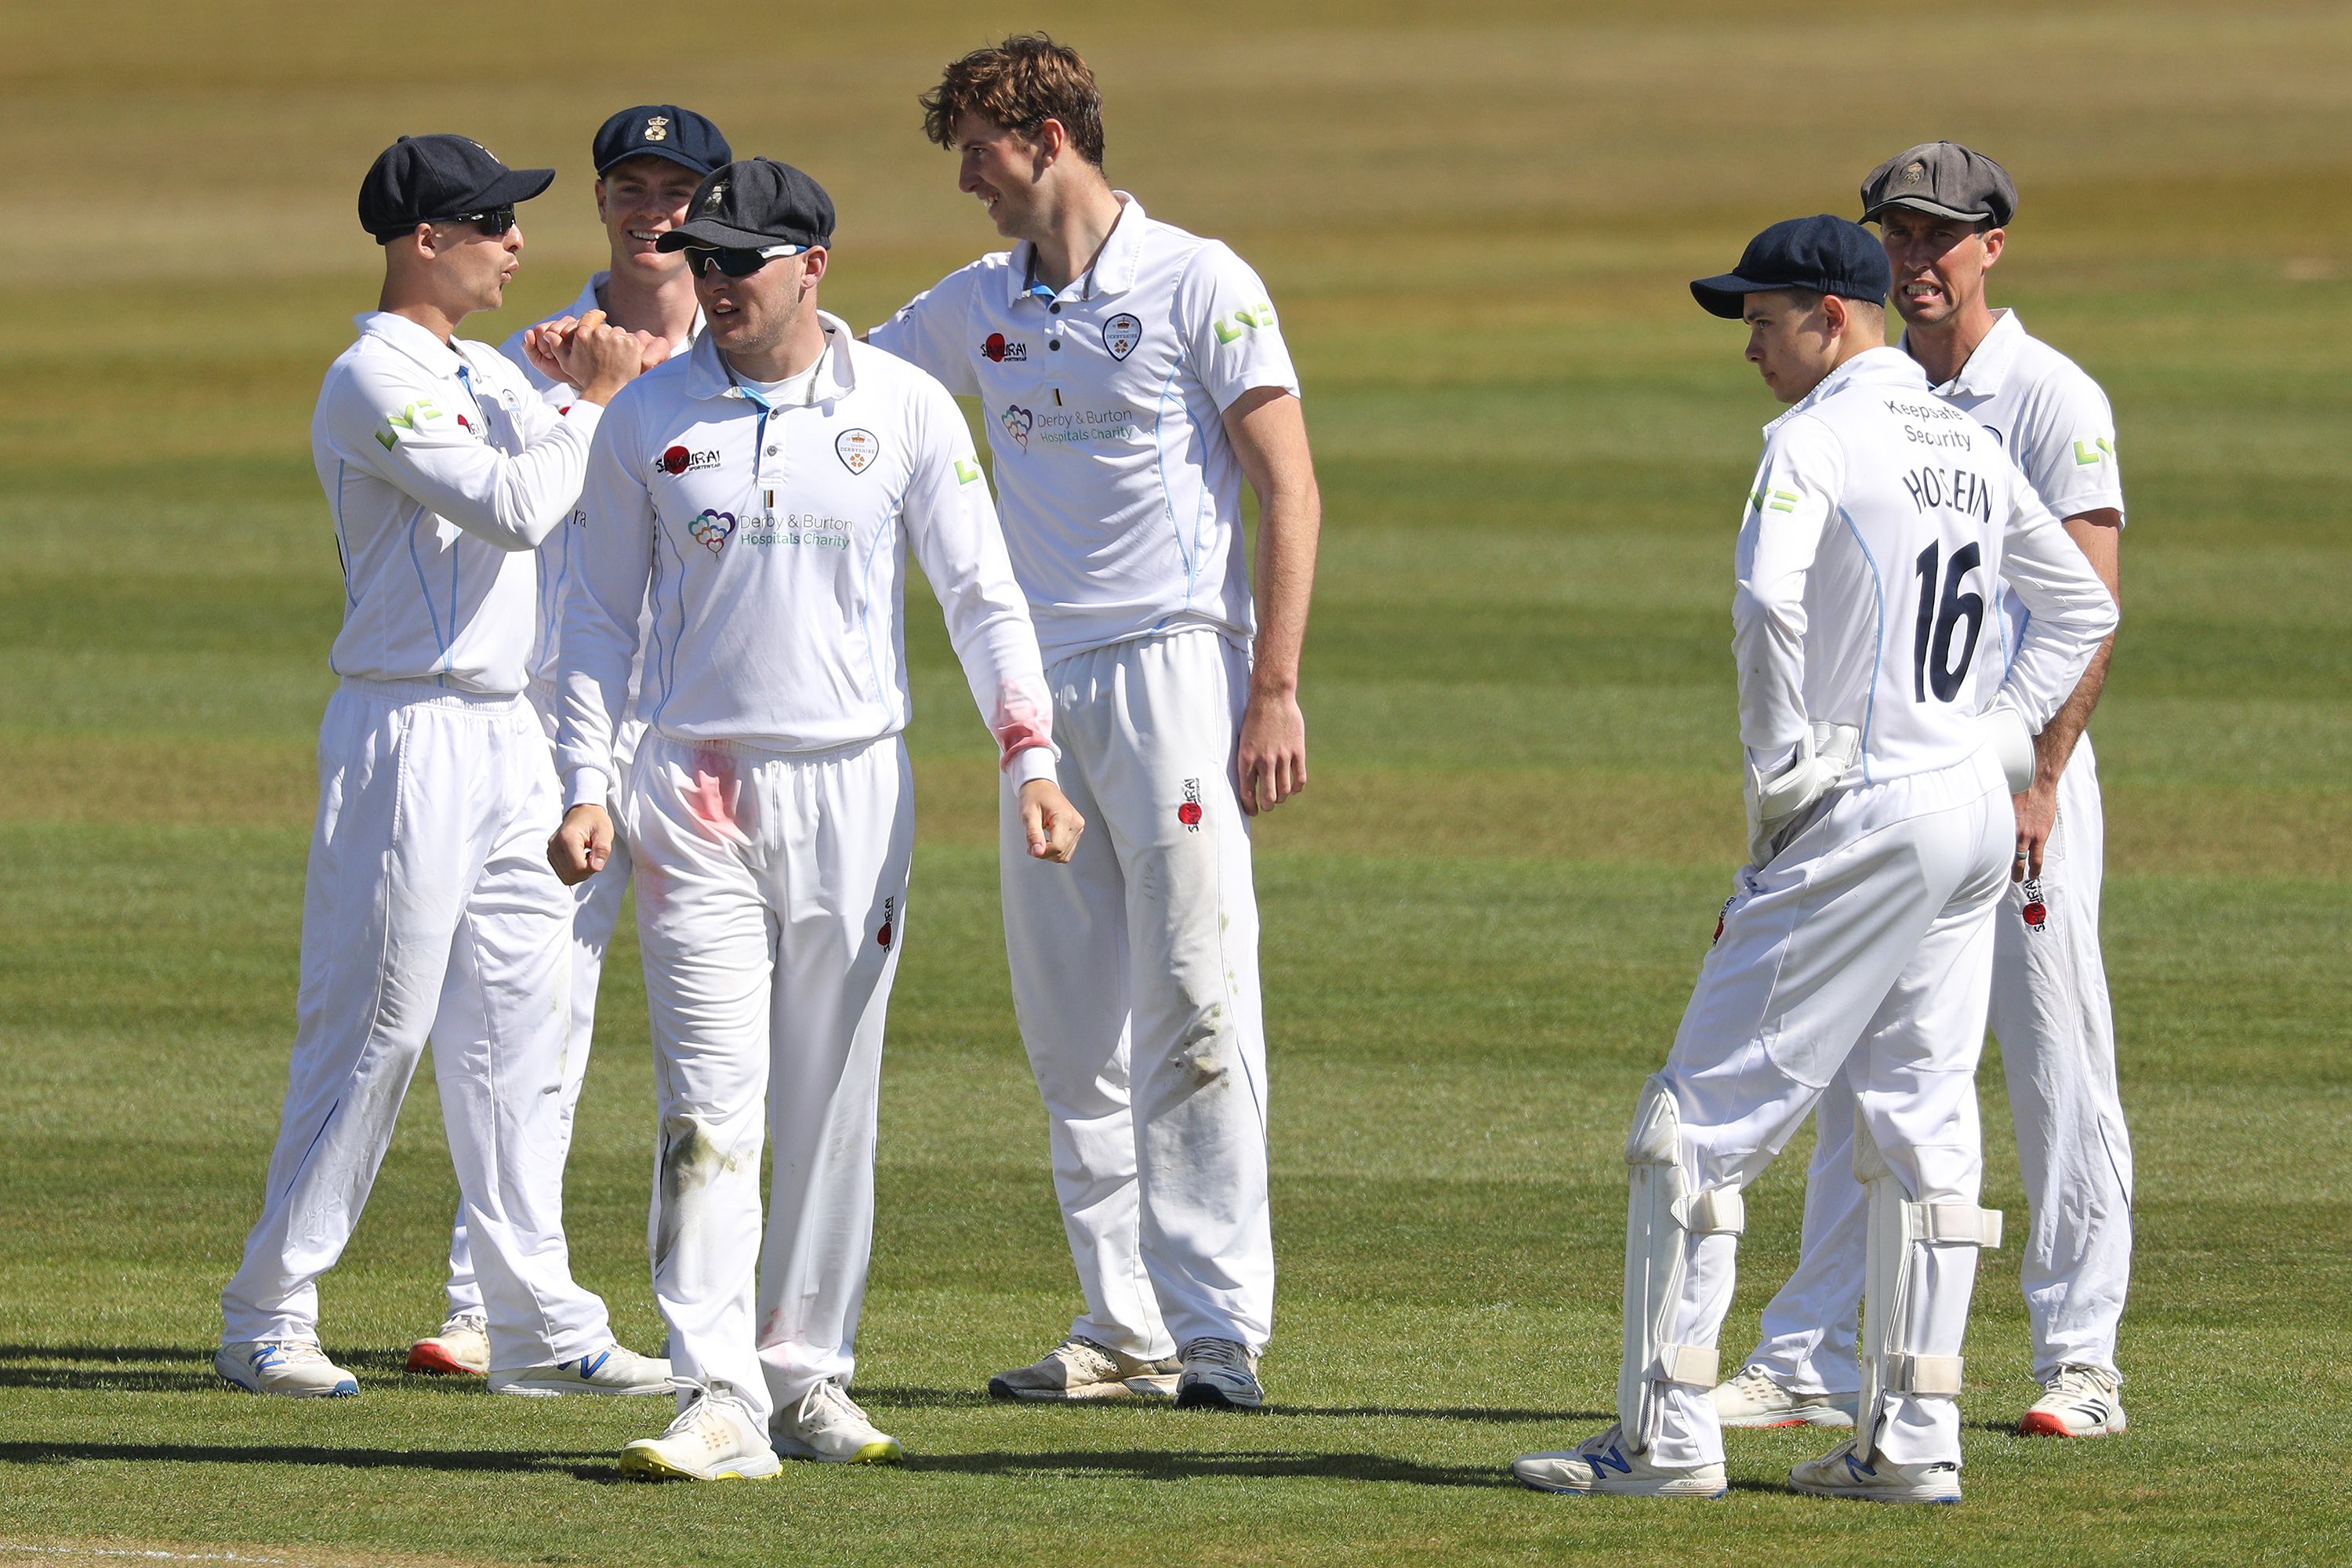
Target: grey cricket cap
[1945, 179]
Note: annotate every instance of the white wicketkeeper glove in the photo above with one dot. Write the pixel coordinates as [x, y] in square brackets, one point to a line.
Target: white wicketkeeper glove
[2012, 743]
[1824, 757]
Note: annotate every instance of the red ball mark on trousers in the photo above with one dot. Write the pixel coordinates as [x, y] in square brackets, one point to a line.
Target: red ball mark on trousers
[2035, 913]
[1189, 813]
[882, 937]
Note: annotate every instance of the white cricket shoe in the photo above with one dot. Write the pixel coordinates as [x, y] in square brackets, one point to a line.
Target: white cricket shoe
[1080, 1368]
[296, 1369]
[1753, 1399]
[613, 1370]
[1841, 1473]
[827, 1425]
[1600, 1466]
[715, 1439]
[2077, 1402]
[462, 1348]
[1219, 1374]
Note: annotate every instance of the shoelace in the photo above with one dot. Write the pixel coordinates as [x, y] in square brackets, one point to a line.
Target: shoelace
[831, 1399]
[284, 1352]
[1086, 1356]
[1218, 1353]
[465, 1322]
[1755, 1382]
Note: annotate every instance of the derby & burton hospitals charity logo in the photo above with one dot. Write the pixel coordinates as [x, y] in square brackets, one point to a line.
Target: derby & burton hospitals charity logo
[1121, 333]
[857, 449]
[1017, 422]
[712, 528]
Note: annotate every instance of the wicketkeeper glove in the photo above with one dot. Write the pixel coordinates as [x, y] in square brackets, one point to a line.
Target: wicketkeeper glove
[1823, 758]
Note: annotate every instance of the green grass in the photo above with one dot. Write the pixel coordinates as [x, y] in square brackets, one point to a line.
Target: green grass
[1483, 920]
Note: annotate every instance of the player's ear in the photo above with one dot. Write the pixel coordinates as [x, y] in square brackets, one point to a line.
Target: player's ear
[1053, 139]
[1995, 240]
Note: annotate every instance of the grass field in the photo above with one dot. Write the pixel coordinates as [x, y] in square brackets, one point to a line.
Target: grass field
[1483, 920]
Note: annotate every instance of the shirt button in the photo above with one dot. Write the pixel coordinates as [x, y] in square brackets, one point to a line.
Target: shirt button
[1056, 308]
[1055, 345]
[771, 451]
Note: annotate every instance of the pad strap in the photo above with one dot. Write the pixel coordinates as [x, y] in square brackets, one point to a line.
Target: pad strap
[1693, 1366]
[1722, 1212]
[1961, 1222]
[1933, 1374]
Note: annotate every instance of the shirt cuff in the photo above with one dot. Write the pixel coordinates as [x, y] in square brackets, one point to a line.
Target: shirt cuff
[1031, 763]
[583, 417]
[586, 786]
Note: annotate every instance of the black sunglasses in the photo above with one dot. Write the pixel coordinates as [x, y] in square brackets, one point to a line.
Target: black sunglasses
[494, 223]
[734, 261]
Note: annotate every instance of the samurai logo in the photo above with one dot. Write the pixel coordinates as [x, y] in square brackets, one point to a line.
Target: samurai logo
[657, 128]
[1121, 333]
[2036, 913]
[712, 528]
[889, 915]
[999, 348]
[1722, 915]
[1189, 813]
[1017, 422]
[857, 449]
[679, 460]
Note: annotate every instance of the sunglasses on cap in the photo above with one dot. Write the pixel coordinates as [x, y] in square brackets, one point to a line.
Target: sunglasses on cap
[734, 261]
[494, 223]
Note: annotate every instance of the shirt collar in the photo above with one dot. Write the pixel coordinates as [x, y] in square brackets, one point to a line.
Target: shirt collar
[708, 375]
[1112, 272]
[1986, 365]
[588, 301]
[1891, 366]
[400, 332]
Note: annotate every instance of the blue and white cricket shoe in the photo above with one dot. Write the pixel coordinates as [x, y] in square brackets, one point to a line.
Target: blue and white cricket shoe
[1843, 1473]
[292, 1369]
[1604, 1466]
[613, 1370]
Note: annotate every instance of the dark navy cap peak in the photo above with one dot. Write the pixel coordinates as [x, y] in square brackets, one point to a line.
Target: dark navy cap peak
[431, 179]
[661, 131]
[751, 204]
[1824, 255]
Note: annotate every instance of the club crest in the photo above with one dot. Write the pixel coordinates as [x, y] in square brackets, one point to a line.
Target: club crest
[857, 449]
[657, 128]
[1017, 422]
[712, 528]
[1121, 333]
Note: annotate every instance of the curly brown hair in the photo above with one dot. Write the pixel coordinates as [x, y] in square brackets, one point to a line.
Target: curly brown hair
[1019, 84]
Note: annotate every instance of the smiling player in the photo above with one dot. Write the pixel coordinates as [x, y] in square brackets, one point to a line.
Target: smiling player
[1133, 376]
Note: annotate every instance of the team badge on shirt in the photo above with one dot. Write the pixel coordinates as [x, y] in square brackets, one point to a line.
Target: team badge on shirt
[857, 449]
[712, 528]
[1121, 333]
[1017, 422]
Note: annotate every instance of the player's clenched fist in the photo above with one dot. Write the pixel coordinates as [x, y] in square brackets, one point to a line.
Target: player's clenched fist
[598, 357]
[1048, 820]
[584, 842]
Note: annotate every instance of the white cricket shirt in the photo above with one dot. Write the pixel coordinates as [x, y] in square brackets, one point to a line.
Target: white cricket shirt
[1881, 523]
[444, 471]
[1103, 403]
[2052, 420]
[771, 536]
[555, 555]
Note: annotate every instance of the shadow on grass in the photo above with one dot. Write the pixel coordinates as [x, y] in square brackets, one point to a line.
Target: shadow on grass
[186, 1369]
[575, 1461]
[1258, 1465]
[889, 1397]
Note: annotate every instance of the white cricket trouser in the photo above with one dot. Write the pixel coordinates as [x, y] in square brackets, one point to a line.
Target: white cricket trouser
[429, 909]
[1858, 957]
[1134, 981]
[771, 904]
[596, 914]
[2051, 1014]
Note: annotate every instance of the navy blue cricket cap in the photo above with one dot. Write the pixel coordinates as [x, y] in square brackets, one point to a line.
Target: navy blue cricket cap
[1824, 255]
[431, 179]
[661, 131]
[753, 203]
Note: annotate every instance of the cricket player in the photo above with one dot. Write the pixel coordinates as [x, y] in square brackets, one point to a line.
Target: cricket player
[428, 909]
[648, 161]
[1854, 951]
[1943, 212]
[1133, 374]
[763, 493]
